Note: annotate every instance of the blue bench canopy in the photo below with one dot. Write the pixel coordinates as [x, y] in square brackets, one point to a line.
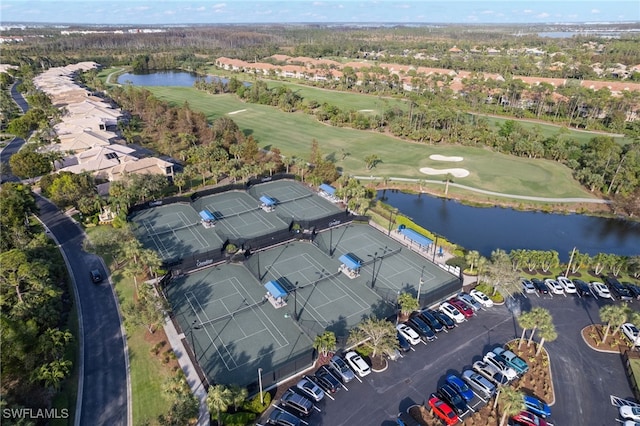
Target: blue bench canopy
[275, 289]
[349, 262]
[415, 236]
[207, 215]
[267, 201]
[328, 189]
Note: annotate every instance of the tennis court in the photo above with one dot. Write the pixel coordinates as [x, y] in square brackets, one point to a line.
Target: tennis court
[239, 215]
[233, 331]
[294, 200]
[173, 230]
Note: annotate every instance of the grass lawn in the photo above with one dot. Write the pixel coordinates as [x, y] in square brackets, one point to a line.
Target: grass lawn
[293, 134]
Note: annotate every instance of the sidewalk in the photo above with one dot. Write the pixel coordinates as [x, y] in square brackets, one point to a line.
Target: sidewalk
[190, 372]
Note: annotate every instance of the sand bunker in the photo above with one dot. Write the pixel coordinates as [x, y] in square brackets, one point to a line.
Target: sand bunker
[459, 173]
[365, 110]
[235, 112]
[438, 157]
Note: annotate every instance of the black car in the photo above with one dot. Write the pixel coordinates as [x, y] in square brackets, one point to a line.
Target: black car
[432, 321]
[633, 289]
[540, 286]
[453, 398]
[405, 346]
[422, 328]
[283, 418]
[443, 319]
[296, 404]
[618, 289]
[582, 288]
[326, 380]
[96, 276]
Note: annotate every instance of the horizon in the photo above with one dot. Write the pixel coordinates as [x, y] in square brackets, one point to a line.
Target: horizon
[328, 12]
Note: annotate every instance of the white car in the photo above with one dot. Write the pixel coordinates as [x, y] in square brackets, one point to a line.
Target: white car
[481, 298]
[554, 286]
[601, 290]
[358, 364]
[452, 312]
[629, 412]
[492, 359]
[568, 285]
[631, 331]
[408, 333]
[490, 372]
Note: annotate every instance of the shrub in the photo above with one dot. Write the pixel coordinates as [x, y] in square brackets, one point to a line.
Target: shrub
[253, 405]
[489, 291]
[241, 418]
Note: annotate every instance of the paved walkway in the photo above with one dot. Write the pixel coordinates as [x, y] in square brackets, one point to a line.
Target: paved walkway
[190, 372]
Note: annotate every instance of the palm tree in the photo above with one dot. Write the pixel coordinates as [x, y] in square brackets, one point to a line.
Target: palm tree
[512, 402]
[325, 342]
[407, 303]
[613, 315]
[542, 317]
[472, 259]
[547, 333]
[238, 396]
[448, 178]
[526, 320]
[219, 397]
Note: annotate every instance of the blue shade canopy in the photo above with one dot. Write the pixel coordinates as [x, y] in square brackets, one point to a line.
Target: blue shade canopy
[207, 215]
[349, 262]
[415, 237]
[328, 189]
[267, 201]
[275, 289]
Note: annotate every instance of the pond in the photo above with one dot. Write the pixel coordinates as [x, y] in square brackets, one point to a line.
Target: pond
[485, 229]
[166, 78]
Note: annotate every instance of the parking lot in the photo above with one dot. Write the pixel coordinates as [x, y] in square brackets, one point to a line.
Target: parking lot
[584, 379]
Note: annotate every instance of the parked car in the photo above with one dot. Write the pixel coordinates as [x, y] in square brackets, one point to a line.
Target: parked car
[480, 384]
[601, 290]
[582, 288]
[462, 307]
[431, 320]
[525, 418]
[453, 398]
[422, 328]
[443, 319]
[469, 301]
[393, 354]
[631, 332]
[298, 404]
[554, 286]
[326, 380]
[497, 361]
[633, 289]
[490, 372]
[481, 298]
[358, 364]
[405, 346]
[567, 284]
[341, 369]
[283, 418]
[96, 276]
[512, 360]
[540, 286]
[618, 289]
[537, 407]
[443, 411]
[408, 333]
[527, 286]
[452, 312]
[310, 389]
[460, 386]
[629, 412]
[405, 419]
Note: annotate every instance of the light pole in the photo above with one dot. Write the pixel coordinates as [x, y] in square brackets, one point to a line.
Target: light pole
[193, 346]
[260, 384]
[420, 284]
[373, 273]
[435, 247]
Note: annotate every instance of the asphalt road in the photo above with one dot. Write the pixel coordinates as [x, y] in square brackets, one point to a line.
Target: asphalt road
[583, 379]
[15, 145]
[103, 385]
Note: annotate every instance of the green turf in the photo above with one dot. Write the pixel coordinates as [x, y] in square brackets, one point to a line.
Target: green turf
[293, 134]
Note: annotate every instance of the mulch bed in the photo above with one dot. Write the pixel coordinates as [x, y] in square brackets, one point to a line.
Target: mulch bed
[593, 334]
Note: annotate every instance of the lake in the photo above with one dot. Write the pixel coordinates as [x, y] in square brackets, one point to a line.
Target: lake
[166, 78]
[485, 229]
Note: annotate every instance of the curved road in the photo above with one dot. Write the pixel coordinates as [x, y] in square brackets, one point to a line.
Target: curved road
[104, 389]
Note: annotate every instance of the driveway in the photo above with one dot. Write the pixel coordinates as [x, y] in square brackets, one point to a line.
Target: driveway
[103, 388]
[583, 379]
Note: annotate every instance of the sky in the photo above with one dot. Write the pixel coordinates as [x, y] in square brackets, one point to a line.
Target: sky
[171, 12]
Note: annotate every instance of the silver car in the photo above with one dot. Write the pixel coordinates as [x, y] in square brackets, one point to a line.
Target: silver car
[478, 383]
[342, 370]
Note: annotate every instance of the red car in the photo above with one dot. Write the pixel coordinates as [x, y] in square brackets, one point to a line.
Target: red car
[525, 418]
[462, 307]
[443, 411]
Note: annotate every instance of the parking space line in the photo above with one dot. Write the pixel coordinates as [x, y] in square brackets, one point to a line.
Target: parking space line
[337, 379]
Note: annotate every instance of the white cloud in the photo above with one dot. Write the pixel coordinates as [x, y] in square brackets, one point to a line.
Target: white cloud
[543, 15]
[139, 8]
[528, 11]
[219, 6]
[487, 12]
[169, 12]
[340, 6]
[318, 3]
[595, 11]
[403, 6]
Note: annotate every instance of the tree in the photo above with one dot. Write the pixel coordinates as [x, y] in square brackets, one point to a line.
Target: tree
[378, 335]
[28, 164]
[219, 397]
[472, 258]
[325, 342]
[511, 400]
[17, 204]
[448, 178]
[499, 272]
[407, 303]
[526, 321]
[371, 161]
[547, 333]
[238, 396]
[613, 315]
